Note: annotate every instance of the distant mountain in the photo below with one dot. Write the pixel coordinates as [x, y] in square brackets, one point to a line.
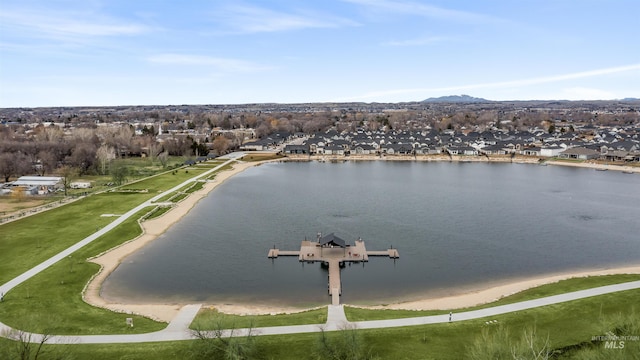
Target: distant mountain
[456, 99]
[630, 99]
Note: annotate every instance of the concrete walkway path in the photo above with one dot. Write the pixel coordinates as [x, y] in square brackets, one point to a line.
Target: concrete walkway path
[183, 320]
[336, 320]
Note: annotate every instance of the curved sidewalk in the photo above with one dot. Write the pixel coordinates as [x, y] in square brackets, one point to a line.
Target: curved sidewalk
[178, 329]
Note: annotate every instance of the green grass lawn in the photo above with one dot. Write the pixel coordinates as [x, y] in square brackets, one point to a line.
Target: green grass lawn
[45, 234]
[163, 182]
[560, 287]
[29, 241]
[261, 157]
[51, 301]
[157, 212]
[211, 319]
[566, 325]
[139, 168]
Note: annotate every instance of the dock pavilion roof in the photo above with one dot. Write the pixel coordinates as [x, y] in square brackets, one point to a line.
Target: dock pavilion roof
[332, 239]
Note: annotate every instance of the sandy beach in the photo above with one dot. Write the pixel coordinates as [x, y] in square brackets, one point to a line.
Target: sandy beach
[151, 229]
[493, 293]
[110, 260]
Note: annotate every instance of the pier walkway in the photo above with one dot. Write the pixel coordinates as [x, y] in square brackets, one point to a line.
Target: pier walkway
[334, 252]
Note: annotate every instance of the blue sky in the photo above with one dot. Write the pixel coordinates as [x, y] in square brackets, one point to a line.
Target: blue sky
[124, 52]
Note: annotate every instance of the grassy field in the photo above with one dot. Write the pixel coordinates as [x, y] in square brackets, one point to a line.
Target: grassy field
[211, 319]
[566, 325]
[156, 212]
[261, 157]
[51, 301]
[140, 168]
[29, 241]
[45, 234]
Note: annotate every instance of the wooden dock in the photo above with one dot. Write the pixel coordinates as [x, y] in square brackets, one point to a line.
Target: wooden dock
[334, 257]
[392, 253]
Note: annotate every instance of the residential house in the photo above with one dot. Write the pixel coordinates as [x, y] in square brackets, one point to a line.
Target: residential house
[581, 153]
[296, 149]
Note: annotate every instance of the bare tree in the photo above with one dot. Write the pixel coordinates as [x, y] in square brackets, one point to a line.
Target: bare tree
[154, 150]
[263, 130]
[83, 157]
[105, 154]
[7, 166]
[163, 158]
[67, 173]
[223, 340]
[124, 139]
[220, 144]
[497, 343]
[119, 173]
[23, 165]
[25, 345]
[83, 135]
[50, 134]
[346, 344]
[47, 161]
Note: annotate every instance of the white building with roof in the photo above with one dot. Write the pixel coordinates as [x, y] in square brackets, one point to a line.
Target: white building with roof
[39, 184]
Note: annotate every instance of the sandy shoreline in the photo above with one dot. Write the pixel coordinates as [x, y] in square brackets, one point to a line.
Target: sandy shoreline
[151, 229]
[110, 260]
[467, 159]
[493, 293]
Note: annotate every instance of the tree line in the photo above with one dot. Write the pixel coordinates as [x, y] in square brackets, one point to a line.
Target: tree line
[31, 144]
[47, 150]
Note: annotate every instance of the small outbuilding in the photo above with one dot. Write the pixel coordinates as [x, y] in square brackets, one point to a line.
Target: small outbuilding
[80, 185]
[40, 185]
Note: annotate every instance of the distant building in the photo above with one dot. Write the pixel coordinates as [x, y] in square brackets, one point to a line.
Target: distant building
[39, 185]
[80, 185]
[580, 153]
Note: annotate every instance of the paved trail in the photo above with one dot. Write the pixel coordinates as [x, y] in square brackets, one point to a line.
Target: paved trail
[178, 329]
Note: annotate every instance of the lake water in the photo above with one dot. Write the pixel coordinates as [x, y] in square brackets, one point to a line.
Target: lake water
[457, 226]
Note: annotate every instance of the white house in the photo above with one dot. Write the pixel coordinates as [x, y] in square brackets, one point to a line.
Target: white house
[551, 151]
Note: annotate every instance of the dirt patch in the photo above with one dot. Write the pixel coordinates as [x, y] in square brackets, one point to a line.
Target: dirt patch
[9, 205]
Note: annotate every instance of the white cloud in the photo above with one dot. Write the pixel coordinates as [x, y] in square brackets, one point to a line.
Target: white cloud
[66, 25]
[253, 19]
[226, 64]
[423, 10]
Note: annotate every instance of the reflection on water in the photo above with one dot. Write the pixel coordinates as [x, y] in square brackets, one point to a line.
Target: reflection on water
[455, 225]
